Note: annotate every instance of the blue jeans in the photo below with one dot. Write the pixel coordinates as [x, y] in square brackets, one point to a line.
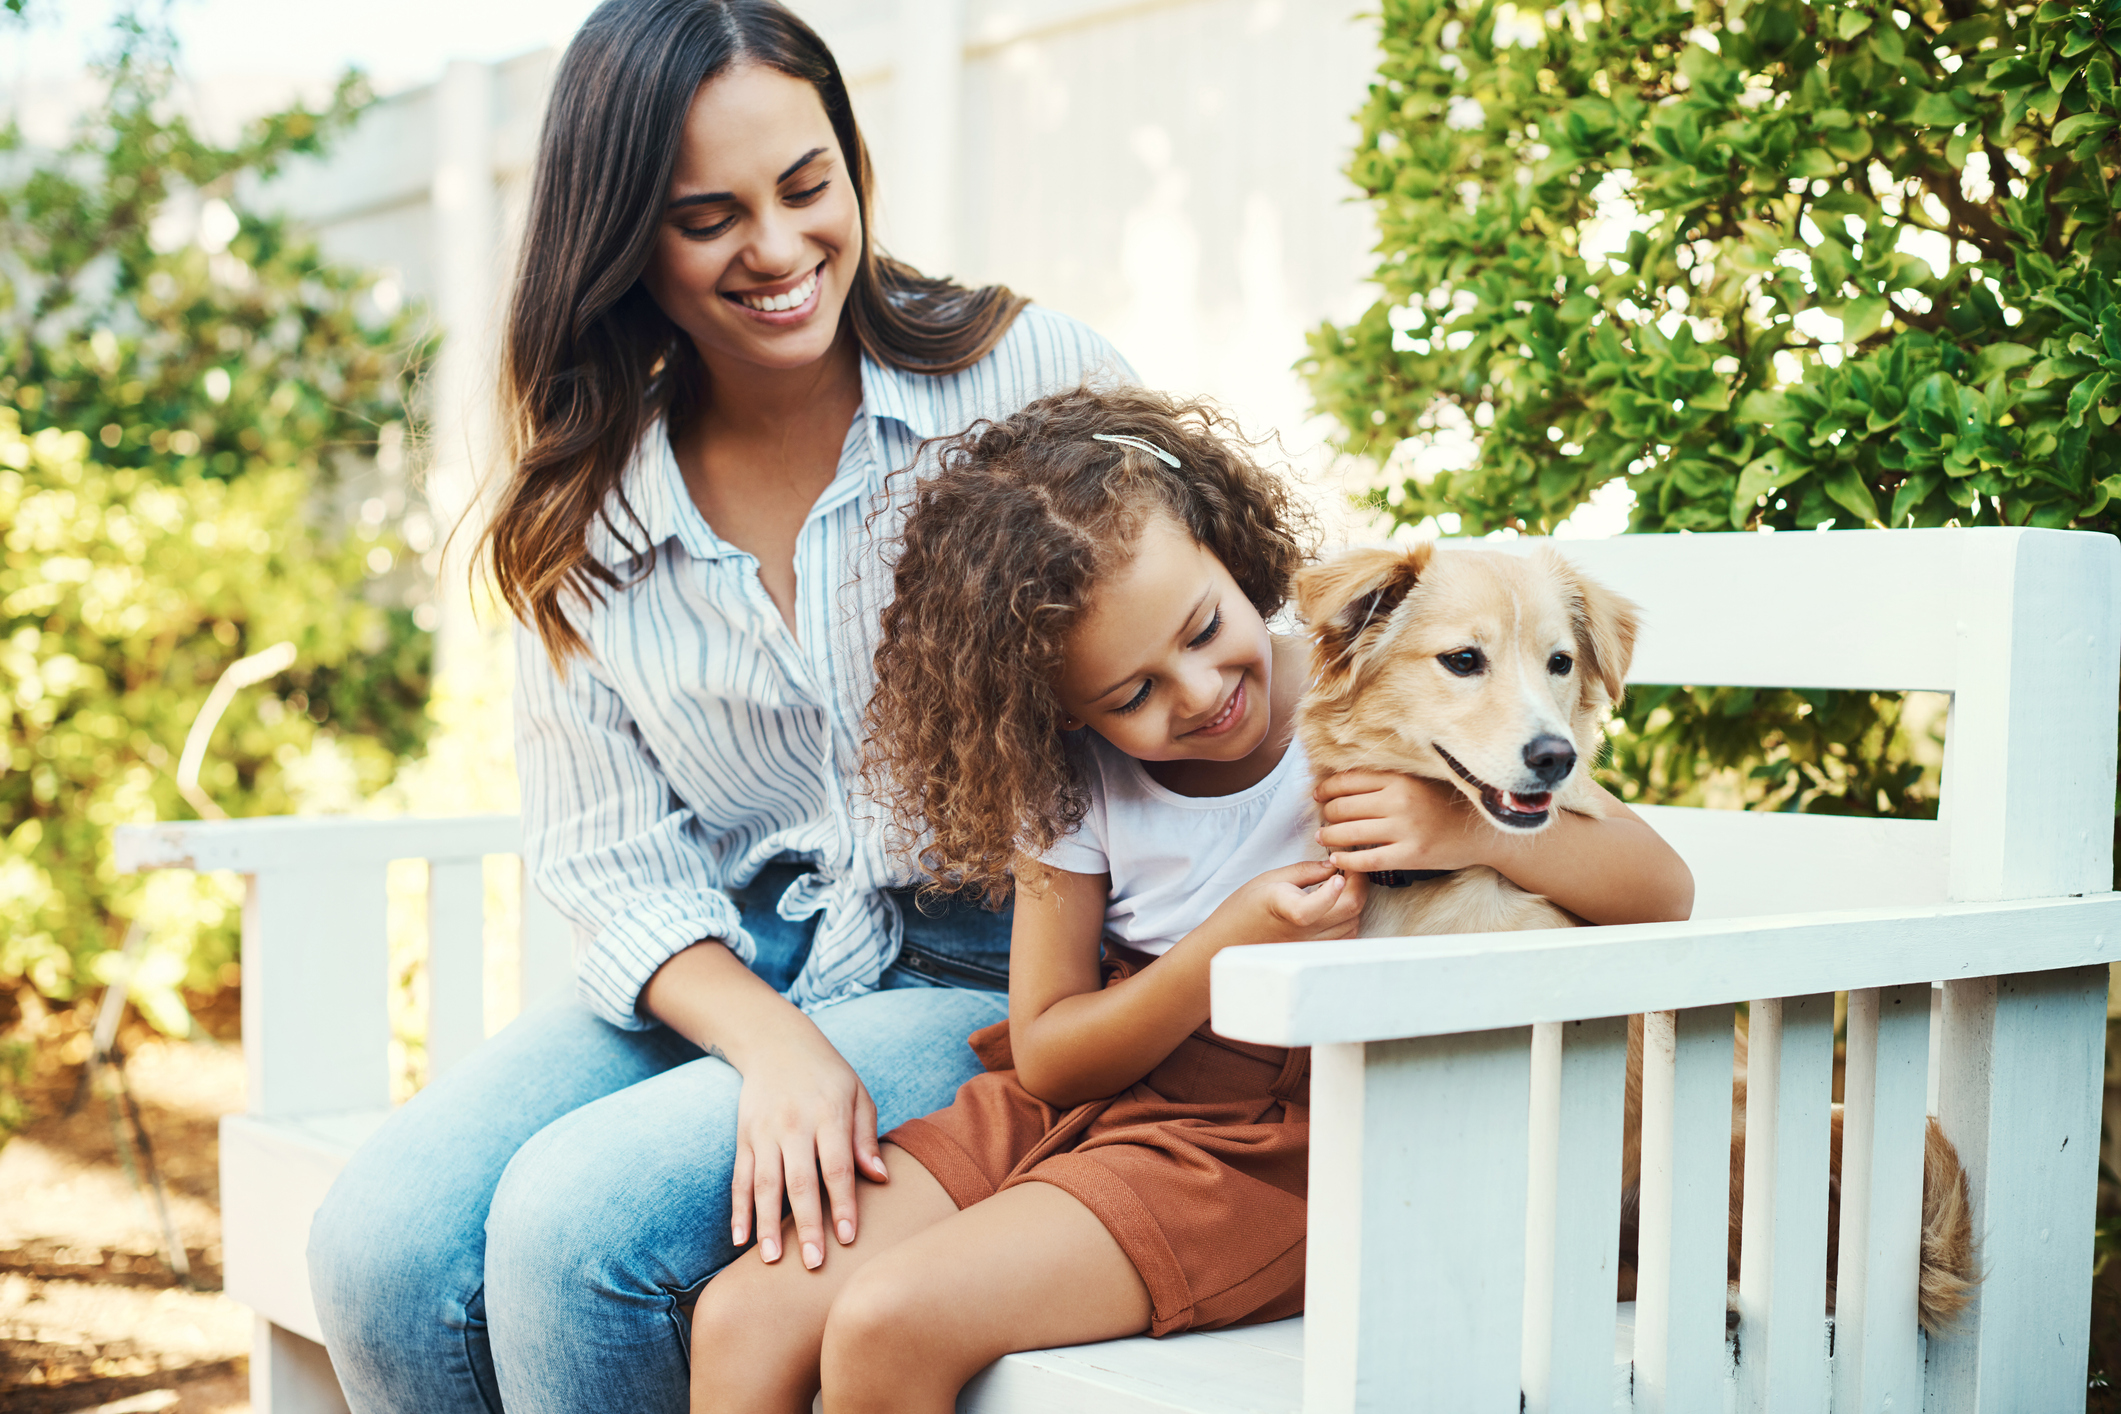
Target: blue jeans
[527, 1231]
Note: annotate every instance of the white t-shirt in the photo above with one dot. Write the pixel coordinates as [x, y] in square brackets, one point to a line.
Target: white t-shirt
[1174, 858]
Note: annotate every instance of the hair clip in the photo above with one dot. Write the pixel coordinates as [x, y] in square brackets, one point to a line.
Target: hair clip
[1142, 442]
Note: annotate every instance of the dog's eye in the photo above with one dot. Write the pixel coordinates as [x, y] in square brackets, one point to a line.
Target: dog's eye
[1560, 664]
[1463, 661]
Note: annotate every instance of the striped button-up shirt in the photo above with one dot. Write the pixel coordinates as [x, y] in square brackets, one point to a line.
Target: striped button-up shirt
[700, 738]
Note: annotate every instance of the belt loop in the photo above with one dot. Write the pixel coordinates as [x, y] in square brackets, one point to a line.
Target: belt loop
[1293, 1085]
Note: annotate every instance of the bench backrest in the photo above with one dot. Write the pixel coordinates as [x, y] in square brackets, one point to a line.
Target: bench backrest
[2021, 627]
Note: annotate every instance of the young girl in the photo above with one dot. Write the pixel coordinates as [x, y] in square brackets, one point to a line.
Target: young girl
[1078, 696]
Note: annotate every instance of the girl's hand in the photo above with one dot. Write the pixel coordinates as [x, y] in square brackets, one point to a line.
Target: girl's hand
[1384, 820]
[803, 1113]
[1299, 903]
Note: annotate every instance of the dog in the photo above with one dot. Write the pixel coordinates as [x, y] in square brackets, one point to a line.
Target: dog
[1494, 672]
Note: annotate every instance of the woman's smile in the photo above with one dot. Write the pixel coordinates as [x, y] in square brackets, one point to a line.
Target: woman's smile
[789, 302]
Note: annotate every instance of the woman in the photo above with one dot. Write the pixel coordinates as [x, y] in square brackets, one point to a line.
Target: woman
[709, 372]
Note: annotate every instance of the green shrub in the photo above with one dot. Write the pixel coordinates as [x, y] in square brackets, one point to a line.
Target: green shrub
[1772, 265]
[174, 414]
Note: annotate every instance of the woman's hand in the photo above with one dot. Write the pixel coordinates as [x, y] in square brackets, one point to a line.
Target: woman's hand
[805, 1123]
[1384, 820]
[1298, 903]
[803, 1115]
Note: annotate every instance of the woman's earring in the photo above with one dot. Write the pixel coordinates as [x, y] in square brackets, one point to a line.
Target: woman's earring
[1069, 724]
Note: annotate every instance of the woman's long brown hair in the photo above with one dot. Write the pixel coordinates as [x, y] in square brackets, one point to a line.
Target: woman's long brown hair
[589, 361]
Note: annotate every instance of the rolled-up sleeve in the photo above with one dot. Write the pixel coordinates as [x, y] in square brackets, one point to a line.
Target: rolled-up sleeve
[606, 839]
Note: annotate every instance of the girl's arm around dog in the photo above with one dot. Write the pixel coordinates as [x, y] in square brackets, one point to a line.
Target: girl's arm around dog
[1076, 1039]
[1604, 869]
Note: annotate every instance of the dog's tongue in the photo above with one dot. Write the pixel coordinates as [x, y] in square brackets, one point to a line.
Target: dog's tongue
[1525, 804]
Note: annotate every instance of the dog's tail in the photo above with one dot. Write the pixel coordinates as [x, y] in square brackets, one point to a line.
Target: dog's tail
[1950, 1259]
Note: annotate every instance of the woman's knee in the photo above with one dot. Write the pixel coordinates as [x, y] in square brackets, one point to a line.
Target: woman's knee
[386, 1269]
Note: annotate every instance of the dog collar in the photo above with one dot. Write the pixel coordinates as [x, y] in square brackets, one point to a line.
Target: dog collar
[1401, 878]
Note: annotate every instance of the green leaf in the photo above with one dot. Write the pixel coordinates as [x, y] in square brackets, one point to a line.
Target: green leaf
[1761, 475]
[2082, 125]
[1814, 162]
[1844, 484]
[2086, 395]
[2000, 358]
[1761, 405]
[1852, 23]
[2099, 81]
[1912, 493]
[1849, 144]
[1861, 318]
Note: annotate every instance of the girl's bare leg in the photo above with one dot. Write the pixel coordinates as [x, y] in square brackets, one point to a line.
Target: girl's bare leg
[1029, 1268]
[757, 1328]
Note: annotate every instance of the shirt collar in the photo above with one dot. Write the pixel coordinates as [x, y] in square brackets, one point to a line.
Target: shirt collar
[909, 398]
[655, 487]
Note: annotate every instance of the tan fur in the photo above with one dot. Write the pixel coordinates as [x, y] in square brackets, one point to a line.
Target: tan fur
[1379, 619]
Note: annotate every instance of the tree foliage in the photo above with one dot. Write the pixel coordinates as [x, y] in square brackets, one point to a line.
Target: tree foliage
[1781, 264]
[182, 382]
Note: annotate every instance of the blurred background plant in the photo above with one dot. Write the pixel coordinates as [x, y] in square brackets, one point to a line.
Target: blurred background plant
[187, 391]
[1776, 266]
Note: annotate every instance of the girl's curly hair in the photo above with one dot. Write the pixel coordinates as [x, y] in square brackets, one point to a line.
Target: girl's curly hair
[999, 554]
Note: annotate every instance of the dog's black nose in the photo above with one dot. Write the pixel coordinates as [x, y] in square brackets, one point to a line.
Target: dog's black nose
[1551, 758]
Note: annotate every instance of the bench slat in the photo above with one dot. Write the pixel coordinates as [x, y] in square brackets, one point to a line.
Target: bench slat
[1685, 1209]
[1878, 1364]
[1782, 1265]
[316, 980]
[1579, 1075]
[2023, 1067]
[1744, 610]
[456, 961]
[1759, 863]
[1304, 994]
[1415, 1266]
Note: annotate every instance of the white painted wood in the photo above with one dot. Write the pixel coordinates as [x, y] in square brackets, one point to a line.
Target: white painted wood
[1782, 1341]
[1247, 1370]
[1579, 1071]
[273, 1177]
[1761, 862]
[1296, 994]
[1877, 1362]
[273, 842]
[1436, 1184]
[1746, 610]
[2021, 1103]
[1936, 1062]
[456, 961]
[1334, 1247]
[2030, 747]
[1685, 1213]
[290, 1373]
[1951, 1377]
[316, 1026]
[547, 943]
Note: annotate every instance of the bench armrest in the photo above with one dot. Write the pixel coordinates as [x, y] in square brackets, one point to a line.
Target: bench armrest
[1376, 989]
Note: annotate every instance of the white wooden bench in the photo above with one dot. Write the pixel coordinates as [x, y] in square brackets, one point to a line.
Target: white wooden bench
[1465, 1176]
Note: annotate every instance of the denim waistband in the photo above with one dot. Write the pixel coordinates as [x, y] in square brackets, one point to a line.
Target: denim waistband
[947, 938]
[955, 939]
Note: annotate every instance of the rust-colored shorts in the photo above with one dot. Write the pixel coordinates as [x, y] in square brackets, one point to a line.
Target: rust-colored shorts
[1198, 1170]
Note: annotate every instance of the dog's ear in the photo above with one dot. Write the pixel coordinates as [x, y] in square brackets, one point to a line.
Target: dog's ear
[1353, 592]
[1605, 626]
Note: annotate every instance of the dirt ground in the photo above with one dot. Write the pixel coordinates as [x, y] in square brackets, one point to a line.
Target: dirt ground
[91, 1316]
